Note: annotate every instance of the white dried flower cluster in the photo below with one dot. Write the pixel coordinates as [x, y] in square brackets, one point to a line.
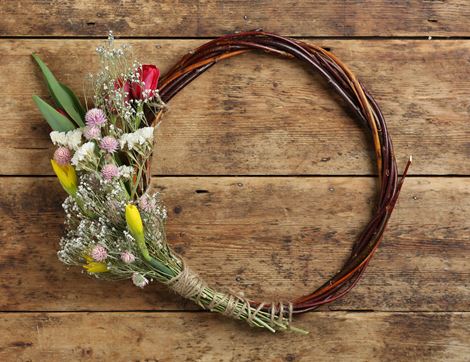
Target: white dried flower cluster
[70, 139]
[126, 172]
[85, 157]
[142, 139]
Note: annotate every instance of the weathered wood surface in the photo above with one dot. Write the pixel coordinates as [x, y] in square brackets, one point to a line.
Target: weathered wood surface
[274, 236]
[168, 18]
[264, 116]
[254, 115]
[334, 336]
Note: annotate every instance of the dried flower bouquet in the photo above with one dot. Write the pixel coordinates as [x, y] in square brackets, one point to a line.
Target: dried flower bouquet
[115, 229]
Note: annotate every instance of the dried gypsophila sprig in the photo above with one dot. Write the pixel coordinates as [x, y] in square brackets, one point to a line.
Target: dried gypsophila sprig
[120, 88]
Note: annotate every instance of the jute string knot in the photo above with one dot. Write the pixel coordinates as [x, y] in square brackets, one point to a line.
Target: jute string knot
[189, 285]
[279, 310]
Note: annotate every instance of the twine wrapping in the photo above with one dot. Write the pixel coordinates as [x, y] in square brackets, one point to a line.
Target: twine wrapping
[189, 285]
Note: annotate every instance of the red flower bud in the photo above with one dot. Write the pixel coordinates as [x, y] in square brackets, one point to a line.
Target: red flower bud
[149, 75]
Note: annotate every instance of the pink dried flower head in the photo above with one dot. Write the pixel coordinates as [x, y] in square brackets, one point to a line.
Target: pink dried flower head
[99, 253]
[109, 171]
[127, 257]
[95, 117]
[62, 156]
[146, 203]
[139, 280]
[109, 144]
[92, 133]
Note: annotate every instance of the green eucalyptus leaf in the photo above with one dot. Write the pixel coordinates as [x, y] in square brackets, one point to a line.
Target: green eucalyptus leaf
[57, 121]
[62, 94]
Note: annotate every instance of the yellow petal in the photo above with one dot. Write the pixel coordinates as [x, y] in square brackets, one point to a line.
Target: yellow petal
[134, 221]
[67, 177]
[96, 267]
[87, 257]
[136, 228]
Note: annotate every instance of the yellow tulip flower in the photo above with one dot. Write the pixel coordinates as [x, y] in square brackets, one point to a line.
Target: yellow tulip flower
[67, 177]
[134, 221]
[136, 228]
[95, 267]
[92, 266]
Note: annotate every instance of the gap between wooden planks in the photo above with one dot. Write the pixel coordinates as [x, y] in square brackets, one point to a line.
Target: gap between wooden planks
[259, 115]
[274, 236]
[216, 17]
[207, 337]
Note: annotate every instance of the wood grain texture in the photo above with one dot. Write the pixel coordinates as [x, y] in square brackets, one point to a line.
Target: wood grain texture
[271, 236]
[168, 18]
[267, 236]
[259, 115]
[204, 337]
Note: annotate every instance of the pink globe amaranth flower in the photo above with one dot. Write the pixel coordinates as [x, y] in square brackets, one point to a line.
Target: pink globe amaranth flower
[62, 156]
[99, 253]
[146, 203]
[109, 144]
[92, 133]
[148, 75]
[110, 171]
[95, 117]
[139, 280]
[127, 257]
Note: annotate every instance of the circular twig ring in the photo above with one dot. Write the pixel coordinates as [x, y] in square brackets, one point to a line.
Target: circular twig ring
[345, 83]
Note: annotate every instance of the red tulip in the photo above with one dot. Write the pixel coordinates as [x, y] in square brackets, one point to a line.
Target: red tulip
[149, 75]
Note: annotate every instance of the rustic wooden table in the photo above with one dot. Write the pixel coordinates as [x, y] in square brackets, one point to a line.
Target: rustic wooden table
[267, 179]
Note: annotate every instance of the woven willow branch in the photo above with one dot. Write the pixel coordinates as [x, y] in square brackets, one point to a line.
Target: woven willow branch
[352, 91]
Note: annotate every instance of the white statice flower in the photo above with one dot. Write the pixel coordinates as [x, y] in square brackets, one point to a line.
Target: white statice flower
[71, 139]
[126, 171]
[138, 138]
[84, 155]
[58, 138]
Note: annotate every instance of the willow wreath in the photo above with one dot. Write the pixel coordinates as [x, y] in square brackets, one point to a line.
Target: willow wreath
[115, 228]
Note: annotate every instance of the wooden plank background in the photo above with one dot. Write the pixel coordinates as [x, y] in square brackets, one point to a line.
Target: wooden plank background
[267, 180]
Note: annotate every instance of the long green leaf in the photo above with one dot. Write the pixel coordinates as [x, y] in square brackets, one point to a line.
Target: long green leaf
[77, 104]
[76, 101]
[57, 121]
[61, 94]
